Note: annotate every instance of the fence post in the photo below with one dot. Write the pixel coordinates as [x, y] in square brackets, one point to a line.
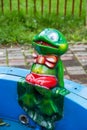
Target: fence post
[42, 6]
[86, 13]
[10, 5]
[73, 3]
[57, 8]
[26, 6]
[18, 5]
[65, 7]
[80, 8]
[34, 7]
[49, 6]
[2, 6]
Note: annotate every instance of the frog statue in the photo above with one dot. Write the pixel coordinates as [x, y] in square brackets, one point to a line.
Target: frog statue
[41, 93]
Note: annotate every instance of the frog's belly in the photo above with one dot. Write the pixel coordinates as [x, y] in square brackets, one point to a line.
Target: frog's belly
[42, 69]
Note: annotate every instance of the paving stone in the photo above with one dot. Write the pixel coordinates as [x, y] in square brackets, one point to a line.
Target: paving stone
[79, 77]
[3, 64]
[68, 52]
[82, 57]
[17, 62]
[84, 64]
[82, 79]
[85, 67]
[16, 52]
[2, 53]
[67, 58]
[81, 53]
[26, 52]
[67, 55]
[69, 63]
[2, 58]
[14, 49]
[82, 61]
[67, 76]
[75, 70]
[78, 49]
[15, 57]
[30, 60]
[3, 61]
[78, 46]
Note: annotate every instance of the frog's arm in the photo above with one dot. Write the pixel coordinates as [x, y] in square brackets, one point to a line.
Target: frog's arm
[60, 73]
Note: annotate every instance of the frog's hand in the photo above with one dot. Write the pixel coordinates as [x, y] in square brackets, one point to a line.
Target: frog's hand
[59, 91]
[60, 73]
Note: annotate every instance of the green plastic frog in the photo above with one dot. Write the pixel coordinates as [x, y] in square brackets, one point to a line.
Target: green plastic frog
[41, 94]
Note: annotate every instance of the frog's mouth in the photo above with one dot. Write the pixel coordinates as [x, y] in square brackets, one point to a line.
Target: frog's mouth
[45, 47]
[43, 43]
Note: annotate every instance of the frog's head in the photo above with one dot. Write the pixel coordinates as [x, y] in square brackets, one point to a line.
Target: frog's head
[50, 41]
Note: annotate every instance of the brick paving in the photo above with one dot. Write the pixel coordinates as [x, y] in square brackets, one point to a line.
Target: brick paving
[75, 60]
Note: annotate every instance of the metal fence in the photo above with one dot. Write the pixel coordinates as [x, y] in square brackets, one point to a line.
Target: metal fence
[42, 6]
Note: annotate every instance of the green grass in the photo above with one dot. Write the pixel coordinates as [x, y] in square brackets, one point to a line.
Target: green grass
[20, 28]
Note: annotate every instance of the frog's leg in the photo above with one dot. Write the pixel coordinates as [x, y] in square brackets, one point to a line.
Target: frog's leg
[47, 107]
[26, 94]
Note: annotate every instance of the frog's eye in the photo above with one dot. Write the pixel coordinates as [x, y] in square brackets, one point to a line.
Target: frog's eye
[53, 36]
[42, 33]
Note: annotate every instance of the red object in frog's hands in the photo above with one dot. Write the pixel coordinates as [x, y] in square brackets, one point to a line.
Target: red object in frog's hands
[50, 60]
[41, 80]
